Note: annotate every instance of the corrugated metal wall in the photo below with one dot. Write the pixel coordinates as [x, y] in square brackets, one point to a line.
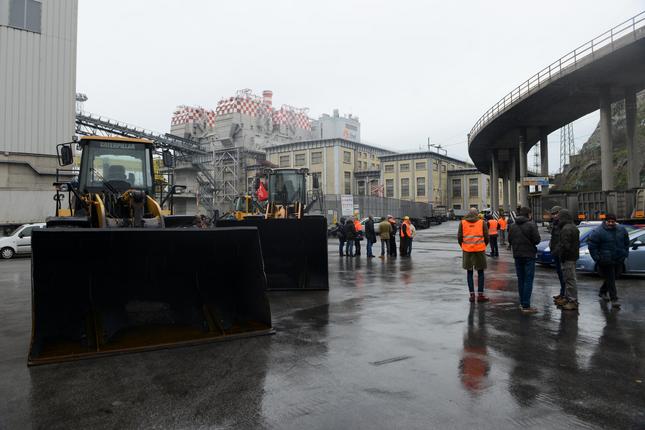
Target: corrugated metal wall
[38, 81]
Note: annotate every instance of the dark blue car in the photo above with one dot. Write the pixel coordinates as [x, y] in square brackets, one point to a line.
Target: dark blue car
[544, 253]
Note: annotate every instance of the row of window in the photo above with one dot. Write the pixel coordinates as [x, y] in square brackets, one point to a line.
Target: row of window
[473, 187]
[300, 159]
[405, 167]
[25, 15]
[405, 187]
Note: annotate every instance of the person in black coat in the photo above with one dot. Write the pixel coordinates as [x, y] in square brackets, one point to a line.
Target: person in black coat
[609, 247]
[340, 234]
[350, 236]
[370, 235]
[393, 234]
[524, 238]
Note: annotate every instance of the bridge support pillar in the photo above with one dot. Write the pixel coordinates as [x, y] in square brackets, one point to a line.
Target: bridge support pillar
[494, 182]
[544, 153]
[512, 181]
[634, 161]
[505, 192]
[524, 190]
[606, 145]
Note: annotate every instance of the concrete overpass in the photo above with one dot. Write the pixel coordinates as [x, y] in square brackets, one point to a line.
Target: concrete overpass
[607, 69]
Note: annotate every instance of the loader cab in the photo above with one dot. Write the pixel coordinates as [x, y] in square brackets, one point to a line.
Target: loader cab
[287, 186]
[122, 163]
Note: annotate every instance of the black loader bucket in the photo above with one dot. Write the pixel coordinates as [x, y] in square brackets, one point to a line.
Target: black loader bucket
[107, 291]
[294, 251]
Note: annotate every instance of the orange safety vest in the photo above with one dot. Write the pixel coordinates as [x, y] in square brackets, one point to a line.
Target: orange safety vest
[502, 223]
[357, 225]
[407, 229]
[492, 227]
[473, 233]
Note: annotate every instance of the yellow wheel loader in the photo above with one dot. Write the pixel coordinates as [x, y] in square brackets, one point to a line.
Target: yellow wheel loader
[114, 273]
[294, 242]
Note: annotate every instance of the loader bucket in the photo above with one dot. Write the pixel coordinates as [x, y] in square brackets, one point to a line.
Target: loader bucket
[106, 291]
[295, 251]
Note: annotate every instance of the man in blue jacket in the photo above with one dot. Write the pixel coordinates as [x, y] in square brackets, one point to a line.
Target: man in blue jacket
[609, 246]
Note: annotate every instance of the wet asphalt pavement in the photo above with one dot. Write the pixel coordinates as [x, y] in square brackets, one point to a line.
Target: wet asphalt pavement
[394, 344]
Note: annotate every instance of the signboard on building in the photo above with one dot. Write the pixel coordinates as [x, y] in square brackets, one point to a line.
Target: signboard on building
[346, 204]
[533, 181]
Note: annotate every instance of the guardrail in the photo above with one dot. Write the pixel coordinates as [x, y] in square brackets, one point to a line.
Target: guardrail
[556, 69]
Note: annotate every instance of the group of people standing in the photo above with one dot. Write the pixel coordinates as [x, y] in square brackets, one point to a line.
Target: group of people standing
[350, 232]
[608, 246]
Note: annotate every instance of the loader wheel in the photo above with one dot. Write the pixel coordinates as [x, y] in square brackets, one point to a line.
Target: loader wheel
[6, 253]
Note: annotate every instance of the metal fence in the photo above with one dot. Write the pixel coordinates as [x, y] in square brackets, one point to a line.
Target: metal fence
[377, 206]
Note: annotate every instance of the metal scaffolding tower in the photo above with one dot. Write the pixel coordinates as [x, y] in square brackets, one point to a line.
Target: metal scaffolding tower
[186, 150]
[567, 145]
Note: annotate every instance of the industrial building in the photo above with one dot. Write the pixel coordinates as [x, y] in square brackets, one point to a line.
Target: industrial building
[37, 98]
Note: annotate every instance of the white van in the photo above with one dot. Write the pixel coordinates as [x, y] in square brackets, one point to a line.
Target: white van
[19, 242]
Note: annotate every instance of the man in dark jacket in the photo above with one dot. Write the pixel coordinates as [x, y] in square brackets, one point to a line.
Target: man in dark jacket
[609, 247]
[568, 254]
[524, 237]
[554, 246]
[350, 236]
[340, 234]
[393, 233]
[370, 235]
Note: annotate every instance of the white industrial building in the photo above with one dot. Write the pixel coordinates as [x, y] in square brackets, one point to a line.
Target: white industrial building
[37, 90]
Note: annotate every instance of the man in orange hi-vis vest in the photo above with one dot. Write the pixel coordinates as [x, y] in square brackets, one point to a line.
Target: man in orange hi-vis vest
[503, 228]
[493, 227]
[473, 238]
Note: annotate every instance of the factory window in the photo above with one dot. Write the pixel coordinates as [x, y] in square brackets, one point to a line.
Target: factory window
[348, 183]
[285, 161]
[404, 167]
[372, 156]
[316, 157]
[389, 188]
[347, 157]
[361, 188]
[365, 165]
[420, 166]
[443, 167]
[300, 160]
[458, 207]
[473, 187]
[434, 166]
[456, 187]
[25, 15]
[389, 168]
[316, 177]
[421, 187]
[405, 187]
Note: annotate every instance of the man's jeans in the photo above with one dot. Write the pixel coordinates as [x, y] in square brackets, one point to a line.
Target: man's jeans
[369, 248]
[558, 269]
[525, 268]
[341, 245]
[471, 281]
[494, 250]
[349, 248]
[385, 246]
[409, 247]
[502, 237]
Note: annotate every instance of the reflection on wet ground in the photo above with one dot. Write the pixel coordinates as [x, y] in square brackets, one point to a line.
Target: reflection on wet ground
[394, 344]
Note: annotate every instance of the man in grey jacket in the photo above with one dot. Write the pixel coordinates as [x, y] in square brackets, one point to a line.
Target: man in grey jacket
[524, 238]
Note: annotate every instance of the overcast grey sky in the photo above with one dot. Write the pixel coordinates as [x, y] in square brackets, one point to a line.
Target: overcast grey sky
[409, 69]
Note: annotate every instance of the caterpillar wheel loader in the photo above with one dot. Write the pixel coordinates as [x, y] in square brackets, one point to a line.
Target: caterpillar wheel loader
[294, 241]
[115, 273]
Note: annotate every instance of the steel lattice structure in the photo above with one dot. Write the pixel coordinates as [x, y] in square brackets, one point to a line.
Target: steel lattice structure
[567, 145]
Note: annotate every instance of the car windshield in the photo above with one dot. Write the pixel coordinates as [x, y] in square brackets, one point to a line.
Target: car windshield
[118, 161]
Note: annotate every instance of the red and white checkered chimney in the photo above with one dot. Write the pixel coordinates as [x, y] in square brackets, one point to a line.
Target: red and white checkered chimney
[267, 96]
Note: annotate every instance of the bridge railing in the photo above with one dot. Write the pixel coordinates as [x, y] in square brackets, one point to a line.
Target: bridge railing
[558, 67]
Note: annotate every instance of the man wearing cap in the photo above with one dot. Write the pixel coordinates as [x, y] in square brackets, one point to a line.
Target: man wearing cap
[609, 247]
[554, 246]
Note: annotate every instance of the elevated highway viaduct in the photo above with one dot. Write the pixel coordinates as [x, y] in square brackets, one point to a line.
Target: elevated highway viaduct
[607, 69]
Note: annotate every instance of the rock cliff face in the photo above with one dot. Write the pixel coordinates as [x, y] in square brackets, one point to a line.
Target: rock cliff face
[583, 172]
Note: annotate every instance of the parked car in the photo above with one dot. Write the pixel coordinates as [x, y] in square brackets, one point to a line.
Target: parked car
[635, 263]
[544, 252]
[18, 242]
